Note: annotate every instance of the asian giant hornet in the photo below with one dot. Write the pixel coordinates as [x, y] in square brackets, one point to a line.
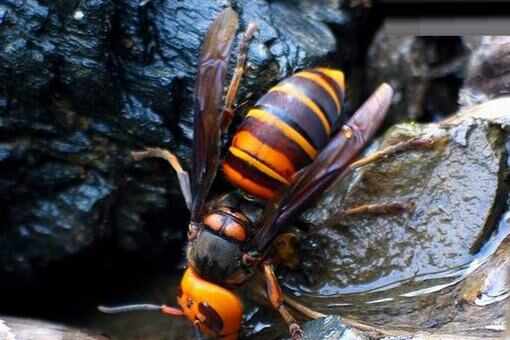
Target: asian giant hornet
[282, 153]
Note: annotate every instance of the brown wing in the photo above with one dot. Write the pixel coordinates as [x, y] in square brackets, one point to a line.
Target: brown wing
[328, 166]
[208, 113]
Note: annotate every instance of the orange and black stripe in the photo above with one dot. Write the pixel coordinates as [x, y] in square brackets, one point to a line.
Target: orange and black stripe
[284, 132]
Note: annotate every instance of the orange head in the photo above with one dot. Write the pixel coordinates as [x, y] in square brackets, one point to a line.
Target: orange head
[216, 311]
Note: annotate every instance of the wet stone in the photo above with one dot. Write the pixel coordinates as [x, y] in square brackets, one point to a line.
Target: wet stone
[3, 14]
[53, 227]
[330, 328]
[282, 45]
[452, 191]
[474, 307]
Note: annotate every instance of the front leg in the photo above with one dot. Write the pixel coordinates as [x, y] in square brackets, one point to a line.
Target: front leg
[275, 295]
[182, 175]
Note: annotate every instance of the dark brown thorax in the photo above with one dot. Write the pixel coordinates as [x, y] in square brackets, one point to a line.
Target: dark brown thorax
[218, 251]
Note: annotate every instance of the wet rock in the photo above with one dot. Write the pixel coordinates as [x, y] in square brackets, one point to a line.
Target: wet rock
[62, 45]
[85, 83]
[56, 225]
[474, 306]
[26, 329]
[330, 328]
[426, 73]
[453, 280]
[284, 43]
[451, 191]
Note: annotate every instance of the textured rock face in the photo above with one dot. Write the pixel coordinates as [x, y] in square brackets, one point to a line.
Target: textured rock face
[426, 73]
[474, 307]
[452, 191]
[84, 83]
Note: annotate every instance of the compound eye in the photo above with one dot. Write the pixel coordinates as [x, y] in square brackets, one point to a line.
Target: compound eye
[216, 311]
[212, 319]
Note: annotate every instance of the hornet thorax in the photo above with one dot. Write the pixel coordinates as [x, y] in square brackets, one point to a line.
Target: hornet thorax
[216, 252]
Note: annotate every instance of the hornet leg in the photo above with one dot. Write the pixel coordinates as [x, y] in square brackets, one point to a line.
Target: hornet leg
[413, 143]
[182, 175]
[304, 310]
[385, 208]
[275, 295]
[228, 110]
[377, 209]
[370, 209]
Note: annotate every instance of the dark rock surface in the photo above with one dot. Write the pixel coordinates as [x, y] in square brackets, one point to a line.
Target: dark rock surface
[473, 308]
[426, 73]
[85, 83]
[453, 192]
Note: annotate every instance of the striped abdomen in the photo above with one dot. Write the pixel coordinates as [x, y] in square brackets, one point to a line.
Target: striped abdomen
[285, 130]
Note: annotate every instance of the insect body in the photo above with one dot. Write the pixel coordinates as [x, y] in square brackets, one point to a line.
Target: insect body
[284, 152]
[284, 131]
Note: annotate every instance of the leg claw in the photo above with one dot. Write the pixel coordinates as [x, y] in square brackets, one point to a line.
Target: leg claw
[296, 332]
